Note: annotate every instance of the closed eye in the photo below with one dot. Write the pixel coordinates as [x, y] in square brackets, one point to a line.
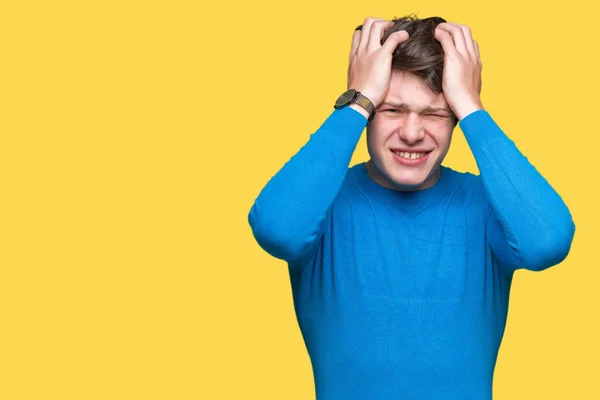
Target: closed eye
[428, 115]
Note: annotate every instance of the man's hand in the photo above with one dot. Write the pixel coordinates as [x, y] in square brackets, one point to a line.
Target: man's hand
[461, 81]
[370, 67]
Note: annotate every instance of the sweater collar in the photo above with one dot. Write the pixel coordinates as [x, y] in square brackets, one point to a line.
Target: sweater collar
[433, 193]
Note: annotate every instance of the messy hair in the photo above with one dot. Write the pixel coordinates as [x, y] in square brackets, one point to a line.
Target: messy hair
[422, 53]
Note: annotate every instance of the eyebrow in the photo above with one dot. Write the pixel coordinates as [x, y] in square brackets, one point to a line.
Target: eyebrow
[406, 106]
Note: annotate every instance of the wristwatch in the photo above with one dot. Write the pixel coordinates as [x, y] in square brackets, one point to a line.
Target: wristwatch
[354, 96]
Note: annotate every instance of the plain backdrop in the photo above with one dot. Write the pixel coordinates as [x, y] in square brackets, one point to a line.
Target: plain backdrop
[135, 136]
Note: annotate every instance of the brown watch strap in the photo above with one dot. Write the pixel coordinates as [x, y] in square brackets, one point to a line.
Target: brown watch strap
[365, 103]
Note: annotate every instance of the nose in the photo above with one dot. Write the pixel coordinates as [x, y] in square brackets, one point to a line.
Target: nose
[412, 130]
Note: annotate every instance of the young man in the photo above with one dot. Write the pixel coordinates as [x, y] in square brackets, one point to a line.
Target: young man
[401, 267]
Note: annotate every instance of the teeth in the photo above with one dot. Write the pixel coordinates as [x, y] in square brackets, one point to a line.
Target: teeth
[412, 156]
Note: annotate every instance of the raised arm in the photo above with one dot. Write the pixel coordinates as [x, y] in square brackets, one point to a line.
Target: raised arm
[529, 226]
[289, 215]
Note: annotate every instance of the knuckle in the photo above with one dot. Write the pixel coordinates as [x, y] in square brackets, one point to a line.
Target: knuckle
[372, 20]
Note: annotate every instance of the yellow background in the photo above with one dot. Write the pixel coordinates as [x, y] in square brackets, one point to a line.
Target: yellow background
[135, 136]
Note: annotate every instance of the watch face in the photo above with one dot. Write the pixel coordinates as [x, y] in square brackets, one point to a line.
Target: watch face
[345, 98]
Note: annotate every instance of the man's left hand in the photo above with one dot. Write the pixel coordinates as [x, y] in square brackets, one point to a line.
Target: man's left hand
[461, 81]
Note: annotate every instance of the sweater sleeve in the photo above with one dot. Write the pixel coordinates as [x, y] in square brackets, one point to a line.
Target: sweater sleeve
[529, 225]
[289, 215]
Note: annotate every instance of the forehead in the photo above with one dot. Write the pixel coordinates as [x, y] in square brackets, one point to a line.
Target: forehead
[406, 87]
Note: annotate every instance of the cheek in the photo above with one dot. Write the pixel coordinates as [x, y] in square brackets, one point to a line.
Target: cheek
[441, 132]
[382, 131]
[377, 137]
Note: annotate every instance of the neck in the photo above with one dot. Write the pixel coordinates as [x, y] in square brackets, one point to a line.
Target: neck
[379, 178]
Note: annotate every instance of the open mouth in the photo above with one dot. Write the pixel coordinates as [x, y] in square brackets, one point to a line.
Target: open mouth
[410, 155]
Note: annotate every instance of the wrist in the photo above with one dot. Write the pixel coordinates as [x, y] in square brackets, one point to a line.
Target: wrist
[355, 98]
[372, 97]
[359, 109]
[467, 108]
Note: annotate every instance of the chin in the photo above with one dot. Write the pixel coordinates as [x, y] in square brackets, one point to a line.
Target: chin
[408, 178]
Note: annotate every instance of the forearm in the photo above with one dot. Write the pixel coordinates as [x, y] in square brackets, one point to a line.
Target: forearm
[536, 222]
[287, 217]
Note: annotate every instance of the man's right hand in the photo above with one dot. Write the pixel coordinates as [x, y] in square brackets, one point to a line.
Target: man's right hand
[370, 68]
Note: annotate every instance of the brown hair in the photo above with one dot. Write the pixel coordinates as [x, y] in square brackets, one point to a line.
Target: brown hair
[422, 53]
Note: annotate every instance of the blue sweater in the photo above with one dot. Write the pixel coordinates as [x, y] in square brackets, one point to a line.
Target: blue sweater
[404, 295]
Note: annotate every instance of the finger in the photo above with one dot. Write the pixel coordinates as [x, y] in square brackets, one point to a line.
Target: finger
[377, 33]
[355, 42]
[394, 40]
[445, 40]
[456, 33]
[476, 46]
[469, 41]
[365, 32]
